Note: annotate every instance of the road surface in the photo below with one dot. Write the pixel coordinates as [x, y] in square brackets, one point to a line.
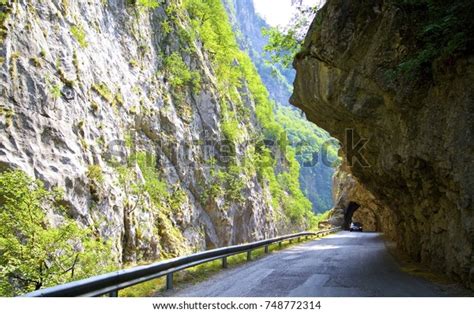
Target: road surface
[342, 264]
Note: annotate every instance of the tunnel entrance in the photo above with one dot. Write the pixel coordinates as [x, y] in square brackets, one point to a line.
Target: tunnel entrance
[351, 208]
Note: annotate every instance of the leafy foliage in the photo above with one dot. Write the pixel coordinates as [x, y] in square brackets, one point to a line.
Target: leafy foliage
[149, 4]
[230, 128]
[94, 173]
[33, 252]
[228, 184]
[144, 4]
[104, 92]
[285, 42]
[56, 91]
[178, 72]
[445, 32]
[165, 200]
[80, 35]
[305, 136]
[233, 67]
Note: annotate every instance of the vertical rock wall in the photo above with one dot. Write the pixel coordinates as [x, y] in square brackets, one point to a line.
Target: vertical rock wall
[420, 150]
[86, 85]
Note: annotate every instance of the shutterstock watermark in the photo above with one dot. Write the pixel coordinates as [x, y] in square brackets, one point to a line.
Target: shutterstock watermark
[354, 148]
[218, 151]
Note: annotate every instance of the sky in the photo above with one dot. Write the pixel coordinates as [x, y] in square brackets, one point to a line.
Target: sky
[279, 12]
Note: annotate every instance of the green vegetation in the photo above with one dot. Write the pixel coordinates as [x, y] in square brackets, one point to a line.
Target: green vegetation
[62, 75]
[322, 217]
[228, 183]
[145, 4]
[56, 91]
[79, 34]
[284, 45]
[5, 10]
[230, 129]
[232, 68]
[165, 26]
[305, 136]
[133, 63]
[165, 200]
[201, 272]
[94, 106]
[34, 253]
[285, 42]
[178, 72]
[8, 114]
[36, 62]
[119, 98]
[104, 92]
[444, 32]
[75, 62]
[94, 173]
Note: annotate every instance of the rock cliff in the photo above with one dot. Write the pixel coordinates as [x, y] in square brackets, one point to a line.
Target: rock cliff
[122, 106]
[315, 178]
[418, 160]
[353, 202]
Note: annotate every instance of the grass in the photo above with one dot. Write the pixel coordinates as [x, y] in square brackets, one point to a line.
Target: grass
[95, 174]
[56, 91]
[104, 92]
[80, 35]
[201, 272]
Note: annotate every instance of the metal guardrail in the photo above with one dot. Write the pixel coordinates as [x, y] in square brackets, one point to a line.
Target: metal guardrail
[111, 283]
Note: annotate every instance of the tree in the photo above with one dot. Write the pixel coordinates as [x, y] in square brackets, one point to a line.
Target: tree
[285, 42]
[33, 252]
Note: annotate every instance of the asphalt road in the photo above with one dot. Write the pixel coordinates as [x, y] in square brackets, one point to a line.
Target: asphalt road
[342, 264]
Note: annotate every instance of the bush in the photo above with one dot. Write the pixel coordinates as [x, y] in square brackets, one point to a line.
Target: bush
[444, 31]
[33, 252]
[80, 35]
[94, 173]
[178, 72]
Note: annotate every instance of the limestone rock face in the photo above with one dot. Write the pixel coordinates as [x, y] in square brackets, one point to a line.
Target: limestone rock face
[420, 149]
[353, 202]
[84, 85]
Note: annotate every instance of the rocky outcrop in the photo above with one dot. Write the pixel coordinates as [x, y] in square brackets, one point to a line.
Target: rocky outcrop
[87, 86]
[419, 156]
[353, 202]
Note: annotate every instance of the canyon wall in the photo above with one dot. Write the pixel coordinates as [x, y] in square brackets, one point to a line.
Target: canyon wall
[122, 106]
[315, 179]
[418, 161]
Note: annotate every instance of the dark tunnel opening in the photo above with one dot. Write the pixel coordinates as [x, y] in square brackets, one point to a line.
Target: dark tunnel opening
[351, 208]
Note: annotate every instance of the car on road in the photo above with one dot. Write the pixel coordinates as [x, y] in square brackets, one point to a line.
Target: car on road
[355, 226]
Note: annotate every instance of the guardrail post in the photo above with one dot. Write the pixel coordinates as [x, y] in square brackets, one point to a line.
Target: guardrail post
[266, 249]
[113, 293]
[299, 239]
[224, 262]
[305, 237]
[279, 244]
[169, 281]
[249, 255]
[290, 241]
